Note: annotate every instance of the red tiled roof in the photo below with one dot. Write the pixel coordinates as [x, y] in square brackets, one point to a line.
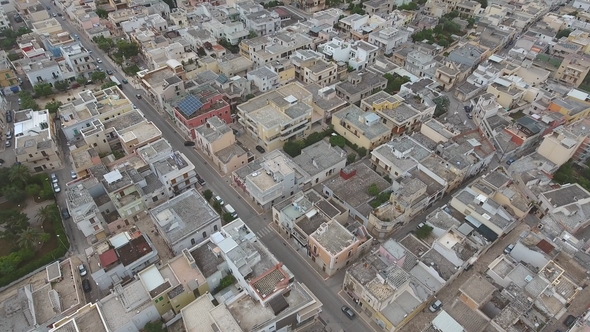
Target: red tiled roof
[545, 246]
[108, 257]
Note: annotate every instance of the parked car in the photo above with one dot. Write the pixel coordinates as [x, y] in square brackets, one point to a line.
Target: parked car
[56, 188]
[109, 72]
[509, 161]
[54, 15]
[8, 144]
[73, 175]
[124, 81]
[54, 178]
[9, 134]
[219, 200]
[435, 306]
[98, 60]
[189, 143]
[201, 181]
[260, 149]
[8, 116]
[86, 286]
[82, 270]
[76, 36]
[420, 225]
[348, 312]
[509, 248]
[570, 321]
[65, 213]
[138, 96]
[469, 116]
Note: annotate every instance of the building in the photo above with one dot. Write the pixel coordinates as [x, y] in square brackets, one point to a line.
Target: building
[79, 59]
[35, 144]
[42, 70]
[389, 38]
[365, 129]
[567, 205]
[359, 54]
[164, 83]
[264, 78]
[320, 161]
[333, 247]
[573, 69]
[84, 210]
[276, 178]
[185, 220]
[192, 110]
[217, 140]
[319, 72]
[359, 85]
[171, 167]
[560, 145]
[87, 317]
[120, 257]
[277, 116]
[262, 22]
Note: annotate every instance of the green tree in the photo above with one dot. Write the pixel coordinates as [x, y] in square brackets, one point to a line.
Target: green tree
[27, 238]
[43, 89]
[563, 33]
[409, 6]
[217, 207]
[442, 103]
[53, 106]
[44, 213]
[81, 80]
[61, 85]
[20, 174]
[27, 101]
[208, 194]
[13, 222]
[102, 13]
[33, 189]
[337, 140]
[313, 138]
[424, 232]
[155, 326]
[373, 190]
[252, 34]
[361, 151]
[98, 76]
[394, 82]
[471, 22]
[350, 158]
[14, 194]
[105, 44]
[108, 85]
[127, 49]
[292, 148]
[484, 3]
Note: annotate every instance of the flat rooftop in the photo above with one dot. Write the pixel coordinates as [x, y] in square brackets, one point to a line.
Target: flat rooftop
[183, 215]
[333, 237]
[353, 190]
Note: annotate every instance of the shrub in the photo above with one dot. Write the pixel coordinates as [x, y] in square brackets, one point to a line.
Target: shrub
[424, 232]
[373, 190]
[208, 194]
[225, 282]
[350, 158]
[338, 141]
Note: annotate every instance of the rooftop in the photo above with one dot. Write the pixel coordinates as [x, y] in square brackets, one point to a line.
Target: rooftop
[319, 157]
[478, 289]
[183, 215]
[207, 258]
[353, 190]
[334, 237]
[367, 122]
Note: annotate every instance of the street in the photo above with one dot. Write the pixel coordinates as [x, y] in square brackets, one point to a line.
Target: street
[221, 186]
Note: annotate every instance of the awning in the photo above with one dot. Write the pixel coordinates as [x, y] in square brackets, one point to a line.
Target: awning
[278, 304]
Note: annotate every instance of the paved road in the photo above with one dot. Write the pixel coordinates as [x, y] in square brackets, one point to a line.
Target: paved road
[303, 272]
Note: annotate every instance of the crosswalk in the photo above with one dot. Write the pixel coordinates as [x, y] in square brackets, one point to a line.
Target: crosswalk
[265, 231]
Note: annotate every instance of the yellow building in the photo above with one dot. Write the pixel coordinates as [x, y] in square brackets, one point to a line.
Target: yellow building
[573, 69]
[573, 109]
[365, 129]
[560, 145]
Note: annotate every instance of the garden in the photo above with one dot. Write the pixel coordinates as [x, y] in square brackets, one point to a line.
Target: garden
[28, 242]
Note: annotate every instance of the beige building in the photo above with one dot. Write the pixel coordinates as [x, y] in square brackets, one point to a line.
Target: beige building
[320, 72]
[35, 141]
[364, 129]
[163, 84]
[573, 69]
[277, 116]
[333, 247]
[217, 140]
[560, 146]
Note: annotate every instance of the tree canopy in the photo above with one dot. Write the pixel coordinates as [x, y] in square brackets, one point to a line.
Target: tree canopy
[43, 90]
[102, 13]
[27, 101]
[563, 33]
[53, 106]
[98, 76]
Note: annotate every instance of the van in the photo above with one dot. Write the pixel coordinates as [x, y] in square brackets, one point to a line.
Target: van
[229, 209]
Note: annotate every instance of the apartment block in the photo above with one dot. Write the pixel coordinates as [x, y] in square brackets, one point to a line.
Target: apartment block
[173, 169]
[573, 69]
[84, 210]
[264, 78]
[185, 220]
[566, 205]
[365, 129]
[560, 145]
[277, 116]
[35, 145]
[359, 85]
[217, 140]
[163, 84]
[320, 72]
[79, 59]
[264, 50]
[359, 54]
[388, 38]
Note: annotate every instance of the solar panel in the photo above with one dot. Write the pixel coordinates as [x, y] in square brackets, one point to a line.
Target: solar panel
[221, 79]
[190, 105]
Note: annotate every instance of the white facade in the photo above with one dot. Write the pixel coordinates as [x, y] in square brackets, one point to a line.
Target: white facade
[78, 59]
[4, 21]
[264, 78]
[358, 54]
[263, 22]
[581, 4]
[45, 71]
[389, 38]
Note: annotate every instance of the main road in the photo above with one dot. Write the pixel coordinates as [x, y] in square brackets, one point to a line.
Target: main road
[300, 268]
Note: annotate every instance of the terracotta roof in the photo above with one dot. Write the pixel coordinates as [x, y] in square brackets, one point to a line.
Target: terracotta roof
[108, 257]
[545, 246]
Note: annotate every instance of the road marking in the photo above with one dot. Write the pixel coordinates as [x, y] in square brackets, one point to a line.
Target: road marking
[264, 231]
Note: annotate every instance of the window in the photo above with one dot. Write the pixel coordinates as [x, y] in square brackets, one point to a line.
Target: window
[96, 228]
[155, 199]
[215, 228]
[204, 234]
[193, 242]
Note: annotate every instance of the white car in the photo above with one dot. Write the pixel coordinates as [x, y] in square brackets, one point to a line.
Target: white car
[56, 188]
[54, 178]
[73, 175]
[98, 60]
[82, 270]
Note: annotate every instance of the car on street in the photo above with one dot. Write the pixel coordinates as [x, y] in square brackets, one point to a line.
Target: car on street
[125, 81]
[420, 225]
[8, 116]
[509, 161]
[82, 270]
[138, 96]
[98, 60]
[54, 15]
[76, 36]
[509, 248]
[9, 134]
[134, 106]
[189, 143]
[65, 213]
[86, 286]
[54, 178]
[56, 188]
[435, 306]
[201, 180]
[260, 149]
[469, 116]
[73, 175]
[219, 200]
[570, 321]
[109, 72]
[348, 312]
[48, 8]
[8, 144]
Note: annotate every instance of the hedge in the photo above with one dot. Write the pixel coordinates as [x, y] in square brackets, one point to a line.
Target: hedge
[51, 256]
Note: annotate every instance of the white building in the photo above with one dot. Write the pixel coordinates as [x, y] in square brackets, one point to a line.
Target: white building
[264, 78]
[185, 220]
[79, 60]
[358, 54]
[263, 22]
[42, 71]
[389, 38]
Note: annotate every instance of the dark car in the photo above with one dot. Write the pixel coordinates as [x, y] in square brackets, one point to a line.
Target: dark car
[189, 143]
[509, 161]
[64, 213]
[138, 96]
[8, 116]
[570, 321]
[109, 72]
[260, 149]
[124, 81]
[469, 116]
[348, 312]
[86, 286]
[201, 181]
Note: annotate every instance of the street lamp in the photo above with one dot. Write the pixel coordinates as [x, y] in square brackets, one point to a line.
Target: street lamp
[61, 241]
